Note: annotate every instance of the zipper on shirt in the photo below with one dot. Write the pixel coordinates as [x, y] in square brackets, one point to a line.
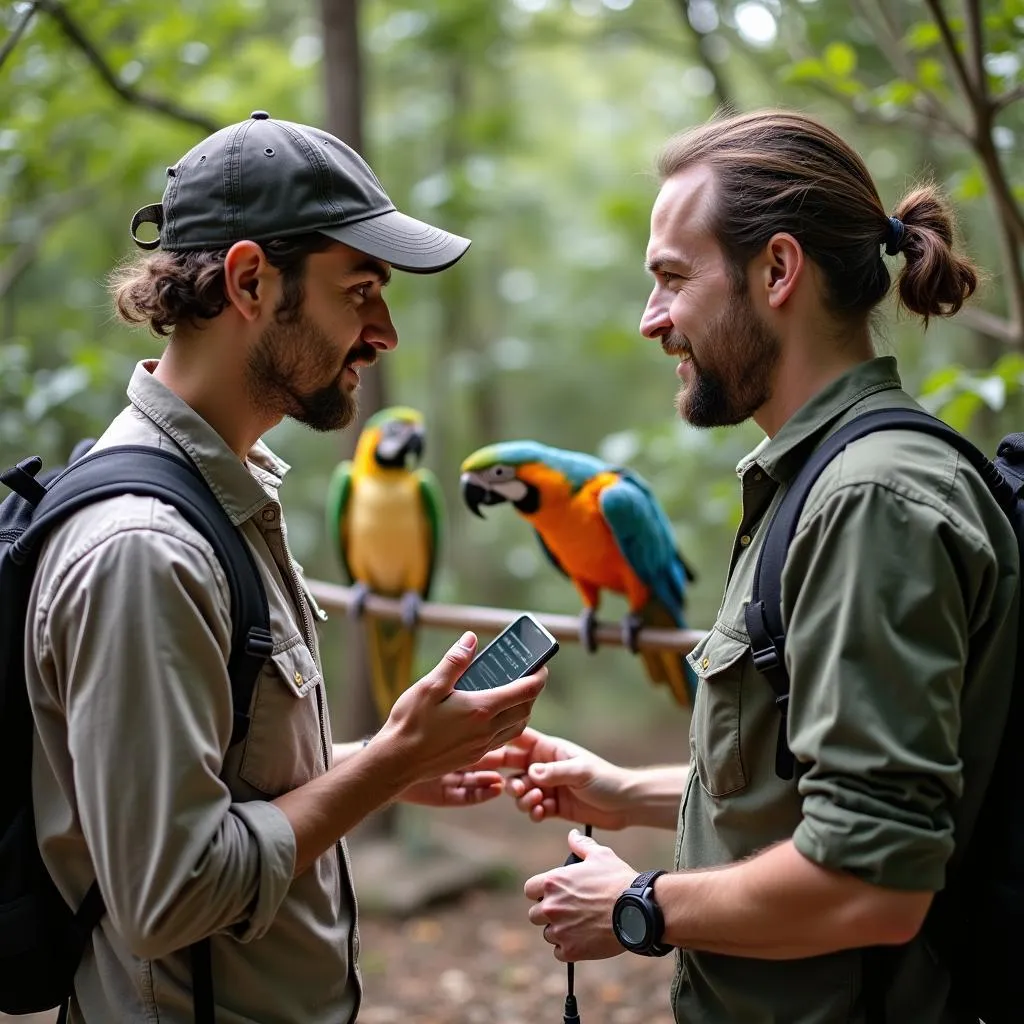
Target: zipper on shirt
[307, 630]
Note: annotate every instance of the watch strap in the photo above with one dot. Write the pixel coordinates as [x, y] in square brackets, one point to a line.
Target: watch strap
[642, 881]
[640, 885]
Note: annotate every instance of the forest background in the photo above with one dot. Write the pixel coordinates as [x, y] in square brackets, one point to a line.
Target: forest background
[530, 126]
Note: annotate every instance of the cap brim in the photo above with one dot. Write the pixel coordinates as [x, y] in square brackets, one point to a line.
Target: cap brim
[404, 242]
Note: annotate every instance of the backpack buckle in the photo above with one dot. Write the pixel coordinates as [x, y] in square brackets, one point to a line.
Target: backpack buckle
[22, 479]
[766, 659]
[259, 642]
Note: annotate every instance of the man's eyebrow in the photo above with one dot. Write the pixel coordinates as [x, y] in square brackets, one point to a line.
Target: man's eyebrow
[372, 266]
[657, 264]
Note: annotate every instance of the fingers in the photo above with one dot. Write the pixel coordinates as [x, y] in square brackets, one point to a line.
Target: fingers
[446, 673]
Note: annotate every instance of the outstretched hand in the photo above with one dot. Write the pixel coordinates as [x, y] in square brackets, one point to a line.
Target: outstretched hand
[559, 779]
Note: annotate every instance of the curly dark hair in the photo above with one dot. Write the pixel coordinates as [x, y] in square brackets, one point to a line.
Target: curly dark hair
[171, 287]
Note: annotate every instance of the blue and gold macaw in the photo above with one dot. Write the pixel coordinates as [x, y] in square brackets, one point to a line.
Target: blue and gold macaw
[384, 514]
[602, 527]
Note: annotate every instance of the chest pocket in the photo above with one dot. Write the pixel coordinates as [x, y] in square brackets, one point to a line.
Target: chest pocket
[283, 748]
[715, 727]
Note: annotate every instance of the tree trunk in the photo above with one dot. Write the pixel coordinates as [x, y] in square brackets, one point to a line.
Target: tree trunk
[343, 89]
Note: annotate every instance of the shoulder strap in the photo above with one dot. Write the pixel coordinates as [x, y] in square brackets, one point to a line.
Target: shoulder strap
[149, 471]
[763, 614]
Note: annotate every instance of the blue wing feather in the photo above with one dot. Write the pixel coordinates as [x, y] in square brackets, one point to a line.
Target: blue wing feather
[645, 538]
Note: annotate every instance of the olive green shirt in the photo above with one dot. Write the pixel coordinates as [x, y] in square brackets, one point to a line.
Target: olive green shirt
[899, 597]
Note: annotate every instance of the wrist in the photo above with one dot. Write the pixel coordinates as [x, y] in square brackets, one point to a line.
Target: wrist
[391, 760]
[637, 919]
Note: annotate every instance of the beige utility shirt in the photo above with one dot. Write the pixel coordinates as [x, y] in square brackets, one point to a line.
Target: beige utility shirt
[899, 595]
[134, 781]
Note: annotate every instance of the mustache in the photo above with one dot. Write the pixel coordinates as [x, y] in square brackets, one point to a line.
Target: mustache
[675, 344]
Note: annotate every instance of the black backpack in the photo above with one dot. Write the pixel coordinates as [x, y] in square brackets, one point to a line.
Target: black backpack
[976, 923]
[41, 939]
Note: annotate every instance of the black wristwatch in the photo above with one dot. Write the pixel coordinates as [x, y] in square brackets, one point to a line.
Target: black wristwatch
[637, 920]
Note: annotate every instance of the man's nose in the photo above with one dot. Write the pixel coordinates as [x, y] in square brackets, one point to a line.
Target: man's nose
[655, 323]
[380, 331]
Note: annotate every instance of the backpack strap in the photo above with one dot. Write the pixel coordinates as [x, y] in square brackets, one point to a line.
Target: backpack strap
[153, 472]
[763, 613]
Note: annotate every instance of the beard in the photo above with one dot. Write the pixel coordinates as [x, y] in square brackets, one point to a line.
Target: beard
[291, 354]
[733, 378]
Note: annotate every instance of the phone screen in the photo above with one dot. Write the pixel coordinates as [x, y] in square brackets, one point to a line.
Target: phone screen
[520, 649]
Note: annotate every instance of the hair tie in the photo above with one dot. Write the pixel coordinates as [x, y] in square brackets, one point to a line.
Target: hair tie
[894, 236]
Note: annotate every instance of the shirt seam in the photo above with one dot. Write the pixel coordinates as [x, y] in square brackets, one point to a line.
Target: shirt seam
[73, 558]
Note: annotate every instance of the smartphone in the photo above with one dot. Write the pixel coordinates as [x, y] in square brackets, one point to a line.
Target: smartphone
[521, 648]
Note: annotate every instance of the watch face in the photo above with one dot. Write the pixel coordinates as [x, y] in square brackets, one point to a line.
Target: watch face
[632, 924]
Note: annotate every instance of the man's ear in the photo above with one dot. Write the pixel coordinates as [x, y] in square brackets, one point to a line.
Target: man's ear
[778, 269]
[246, 283]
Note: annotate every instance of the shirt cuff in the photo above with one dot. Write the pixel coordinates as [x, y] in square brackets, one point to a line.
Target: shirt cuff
[276, 843]
[880, 852]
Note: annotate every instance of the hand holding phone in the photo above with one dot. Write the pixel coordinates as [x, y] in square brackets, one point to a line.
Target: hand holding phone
[518, 650]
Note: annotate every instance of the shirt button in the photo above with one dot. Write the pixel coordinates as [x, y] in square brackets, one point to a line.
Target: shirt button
[705, 663]
[298, 680]
[269, 515]
[745, 539]
[757, 477]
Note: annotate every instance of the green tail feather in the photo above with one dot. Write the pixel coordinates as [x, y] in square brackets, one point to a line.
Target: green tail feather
[391, 649]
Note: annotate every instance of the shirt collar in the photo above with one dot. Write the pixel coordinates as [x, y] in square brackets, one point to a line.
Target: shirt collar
[240, 487]
[782, 455]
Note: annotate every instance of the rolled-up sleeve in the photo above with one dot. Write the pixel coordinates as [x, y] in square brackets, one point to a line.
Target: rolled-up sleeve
[138, 630]
[881, 587]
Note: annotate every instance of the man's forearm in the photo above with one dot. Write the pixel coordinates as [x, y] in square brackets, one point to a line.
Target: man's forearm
[653, 795]
[328, 807]
[780, 906]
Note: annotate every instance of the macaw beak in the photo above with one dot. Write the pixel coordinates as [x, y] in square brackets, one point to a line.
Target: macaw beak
[475, 495]
[401, 447]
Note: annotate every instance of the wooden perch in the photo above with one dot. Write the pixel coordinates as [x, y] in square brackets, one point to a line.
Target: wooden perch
[492, 620]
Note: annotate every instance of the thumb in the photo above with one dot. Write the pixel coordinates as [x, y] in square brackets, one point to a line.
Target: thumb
[454, 663]
[580, 844]
[572, 772]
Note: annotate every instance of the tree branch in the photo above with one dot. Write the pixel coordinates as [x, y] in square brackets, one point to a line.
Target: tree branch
[949, 44]
[975, 48]
[991, 325]
[722, 91]
[1002, 101]
[886, 36]
[55, 211]
[16, 33]
[74, 32]
[494, 620]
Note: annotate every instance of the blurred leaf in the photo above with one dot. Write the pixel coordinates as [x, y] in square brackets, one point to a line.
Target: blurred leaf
[840, 59]
[922, 36]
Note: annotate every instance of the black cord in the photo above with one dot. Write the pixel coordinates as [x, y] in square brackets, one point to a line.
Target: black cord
[571, 1013]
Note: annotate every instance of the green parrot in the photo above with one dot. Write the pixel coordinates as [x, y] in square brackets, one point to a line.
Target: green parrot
[384, 514]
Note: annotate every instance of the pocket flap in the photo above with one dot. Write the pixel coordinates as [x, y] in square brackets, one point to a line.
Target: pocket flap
[296, 667]
[716, 652]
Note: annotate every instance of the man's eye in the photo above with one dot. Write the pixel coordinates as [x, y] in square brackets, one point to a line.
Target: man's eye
[363, 290]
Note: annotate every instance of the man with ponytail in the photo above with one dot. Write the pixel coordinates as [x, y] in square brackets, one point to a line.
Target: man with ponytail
[817, 819]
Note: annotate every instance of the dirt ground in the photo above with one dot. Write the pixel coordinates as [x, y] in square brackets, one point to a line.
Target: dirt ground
[475, 959]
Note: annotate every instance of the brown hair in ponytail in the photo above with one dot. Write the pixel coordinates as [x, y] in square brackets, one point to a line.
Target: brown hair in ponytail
[935, 281]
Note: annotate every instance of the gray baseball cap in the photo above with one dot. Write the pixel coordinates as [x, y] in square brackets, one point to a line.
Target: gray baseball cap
[262, 179]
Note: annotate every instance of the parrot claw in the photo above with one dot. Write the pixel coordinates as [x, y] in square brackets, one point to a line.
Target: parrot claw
[411, 602]
[588, 623]
[360, 592]
[631, 626]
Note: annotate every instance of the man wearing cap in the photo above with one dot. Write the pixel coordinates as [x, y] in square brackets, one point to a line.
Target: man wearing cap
[275, 241]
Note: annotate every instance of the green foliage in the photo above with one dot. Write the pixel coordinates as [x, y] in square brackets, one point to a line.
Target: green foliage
[530, 125]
